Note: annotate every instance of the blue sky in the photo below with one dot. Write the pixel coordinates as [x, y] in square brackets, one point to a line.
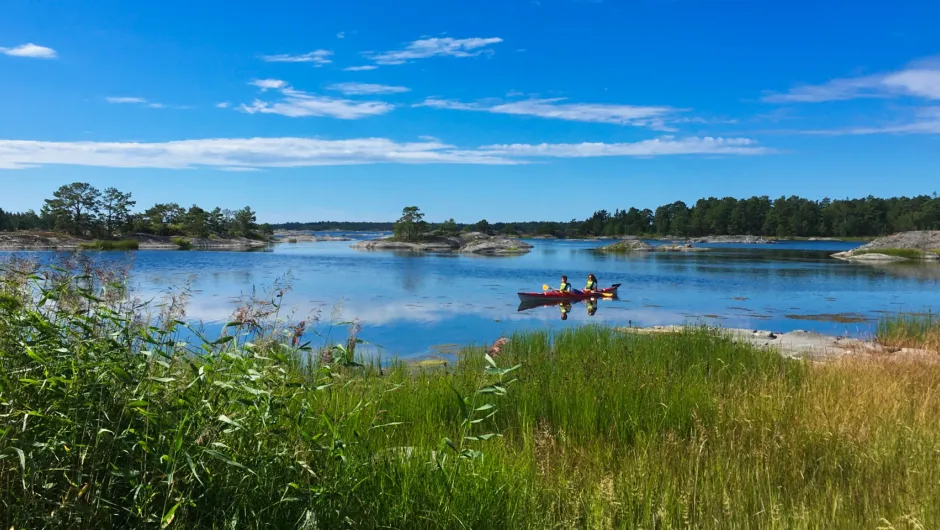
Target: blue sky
[505, 110]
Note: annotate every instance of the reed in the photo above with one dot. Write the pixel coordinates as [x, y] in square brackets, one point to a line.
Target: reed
[114, 414]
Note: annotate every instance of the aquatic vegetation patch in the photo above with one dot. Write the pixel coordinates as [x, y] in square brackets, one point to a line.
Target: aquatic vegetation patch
[107, 244]
[843, 318]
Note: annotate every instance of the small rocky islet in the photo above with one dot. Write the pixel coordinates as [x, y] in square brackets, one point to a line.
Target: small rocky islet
[904, 246]
[469, 243]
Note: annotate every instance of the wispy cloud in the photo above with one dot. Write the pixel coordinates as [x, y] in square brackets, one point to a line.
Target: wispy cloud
[243, 154]
[125, 100]
[141, 101]
[667, 145]
[361, 89]
[223, 105]
[436, 47]
[641, 116]
[918, 80]
[317, 57]
[266, 84]
[363, 68]
[30, 50]
[299, 104]
[926, 120]
[341, 35]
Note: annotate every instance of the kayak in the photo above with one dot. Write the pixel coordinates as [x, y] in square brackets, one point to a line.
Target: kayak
[553, 296]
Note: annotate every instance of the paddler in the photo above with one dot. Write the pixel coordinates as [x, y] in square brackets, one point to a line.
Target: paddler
[591, 283]
[565, 287]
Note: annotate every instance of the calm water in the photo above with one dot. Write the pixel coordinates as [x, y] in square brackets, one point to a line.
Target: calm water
[415, 305]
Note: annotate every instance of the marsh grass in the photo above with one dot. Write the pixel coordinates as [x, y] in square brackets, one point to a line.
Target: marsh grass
[107, 420]
[910, 330]
[121, 244]
[907, 253]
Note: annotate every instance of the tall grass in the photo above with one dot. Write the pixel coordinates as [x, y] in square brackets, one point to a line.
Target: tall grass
[910, 330]
[906, 253]
[108, 420]
[120, 244]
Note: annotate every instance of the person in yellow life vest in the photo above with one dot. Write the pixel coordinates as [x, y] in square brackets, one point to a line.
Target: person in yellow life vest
[591, 283]
[565, 287]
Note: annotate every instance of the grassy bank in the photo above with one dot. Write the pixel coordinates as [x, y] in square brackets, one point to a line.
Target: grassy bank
[906, 253]
[920, 331]
[108, 421]
[103, 244]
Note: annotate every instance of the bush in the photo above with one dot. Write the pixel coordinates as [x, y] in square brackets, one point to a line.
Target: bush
[122, 244]
[183, 243]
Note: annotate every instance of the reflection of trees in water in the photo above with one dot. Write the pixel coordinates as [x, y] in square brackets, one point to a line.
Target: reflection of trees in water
[929, 272]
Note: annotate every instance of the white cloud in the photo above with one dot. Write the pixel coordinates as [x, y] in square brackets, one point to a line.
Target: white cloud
[142, 101]
[244, 154]
[360, 68]
[265, 84]
[657, 147]
[300, 104]
[925, 121]
[33, 51]
[125, 100]
[317, 57]
[360, 89]
[223, 105]
[341, 35]
[921, 81]
[653, 117]
[436, 47]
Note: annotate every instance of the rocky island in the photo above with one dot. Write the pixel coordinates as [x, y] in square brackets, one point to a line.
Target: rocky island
[469, 243]
[638, 245]
[903, 246]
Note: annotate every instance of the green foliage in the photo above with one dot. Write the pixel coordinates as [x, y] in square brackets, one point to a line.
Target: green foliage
[183, 243]
[411, 226]
[111, 420]
[906, 253]
[73, 208]
[784, 217]
[450, 227]
[121, 244]
[82, 210]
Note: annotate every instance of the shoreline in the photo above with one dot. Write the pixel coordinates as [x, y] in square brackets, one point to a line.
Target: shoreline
[48, 241]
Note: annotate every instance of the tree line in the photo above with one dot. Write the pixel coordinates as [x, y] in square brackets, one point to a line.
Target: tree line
[783, 217]
[82, 210]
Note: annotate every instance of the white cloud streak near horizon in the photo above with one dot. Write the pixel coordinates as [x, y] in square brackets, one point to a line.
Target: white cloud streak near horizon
[920, 80]
[641, 116]
[141, 101]
[30, 50]
[299, 104]
[435, 47]
[362, 89]
[317, 57]
[244, 154]
[364, 68]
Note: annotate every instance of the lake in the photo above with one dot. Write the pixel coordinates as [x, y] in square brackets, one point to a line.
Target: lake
[417, 305]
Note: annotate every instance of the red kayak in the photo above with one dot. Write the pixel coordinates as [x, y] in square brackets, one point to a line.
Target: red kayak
[559, 296]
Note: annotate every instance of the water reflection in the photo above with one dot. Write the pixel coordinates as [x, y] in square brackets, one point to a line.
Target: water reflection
[564, 306]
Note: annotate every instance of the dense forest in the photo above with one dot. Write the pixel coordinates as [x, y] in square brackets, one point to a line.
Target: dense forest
[758, 216]
[783, 217]
[82, 210]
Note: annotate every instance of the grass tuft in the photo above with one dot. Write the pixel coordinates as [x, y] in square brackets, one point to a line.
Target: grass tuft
[122, 244]
[908, 330]
[182, 243]
[907, 253]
